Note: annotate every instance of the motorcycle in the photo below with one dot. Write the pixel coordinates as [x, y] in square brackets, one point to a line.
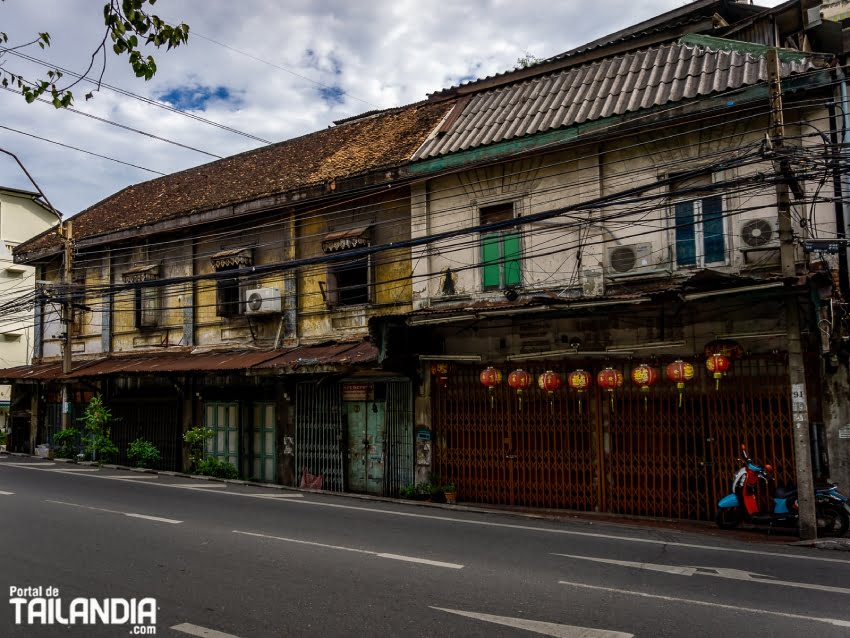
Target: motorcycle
[755, 499]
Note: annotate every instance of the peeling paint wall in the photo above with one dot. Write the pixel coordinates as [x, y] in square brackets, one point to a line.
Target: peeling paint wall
[571, 254]
[386, 219]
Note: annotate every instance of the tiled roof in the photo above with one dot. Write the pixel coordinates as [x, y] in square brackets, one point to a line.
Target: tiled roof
[613, 86]
[358, 146]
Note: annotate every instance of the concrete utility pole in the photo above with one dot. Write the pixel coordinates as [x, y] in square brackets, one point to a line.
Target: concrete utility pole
[67, 233]
[796, 366]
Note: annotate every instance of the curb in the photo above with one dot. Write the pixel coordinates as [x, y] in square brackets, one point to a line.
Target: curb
[587, 518]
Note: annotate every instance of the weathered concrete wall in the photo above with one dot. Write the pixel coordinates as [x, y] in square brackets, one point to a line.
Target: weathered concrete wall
[388, 220]
[836, 416]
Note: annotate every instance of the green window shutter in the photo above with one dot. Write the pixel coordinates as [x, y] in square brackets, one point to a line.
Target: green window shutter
[513, 259]
[490, 260]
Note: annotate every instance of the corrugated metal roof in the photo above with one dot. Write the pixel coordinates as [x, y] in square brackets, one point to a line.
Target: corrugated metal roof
[354, 353]
[344, 354]
[614, 86]
[206, 362]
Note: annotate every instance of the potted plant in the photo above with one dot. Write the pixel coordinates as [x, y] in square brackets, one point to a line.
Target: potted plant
[450, 492]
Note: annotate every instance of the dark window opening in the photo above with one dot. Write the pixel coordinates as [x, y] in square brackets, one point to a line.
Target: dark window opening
[227, 302]
[348, 283]
[146, 307]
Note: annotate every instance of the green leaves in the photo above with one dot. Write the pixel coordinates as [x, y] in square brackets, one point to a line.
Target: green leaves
[129, 27]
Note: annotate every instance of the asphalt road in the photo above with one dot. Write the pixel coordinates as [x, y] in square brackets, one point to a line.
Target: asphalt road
[228, 560]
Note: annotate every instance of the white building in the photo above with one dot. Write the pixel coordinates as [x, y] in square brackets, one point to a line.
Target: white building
[22, 216]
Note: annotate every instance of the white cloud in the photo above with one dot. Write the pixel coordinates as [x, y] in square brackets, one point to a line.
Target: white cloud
[380, 53]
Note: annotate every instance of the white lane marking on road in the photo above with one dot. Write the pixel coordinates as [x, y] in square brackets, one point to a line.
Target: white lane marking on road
[7, 493]
[201, 486]
[409, 559]
[197, 630]
[131, 478]
[273, 496]
[32, 465]
[130, 514]
[72, 470]
[717, 572]
[830, 621]
[153, 518]
[424, 561]
[539, 626]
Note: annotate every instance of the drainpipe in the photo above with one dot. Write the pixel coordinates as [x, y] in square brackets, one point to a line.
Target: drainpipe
[845, 140]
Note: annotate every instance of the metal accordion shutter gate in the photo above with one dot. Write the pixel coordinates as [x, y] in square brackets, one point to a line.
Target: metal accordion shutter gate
[318, 433]
[399, 441]
[158, 421]
[640, 454]
[542, 455]
[676, 461]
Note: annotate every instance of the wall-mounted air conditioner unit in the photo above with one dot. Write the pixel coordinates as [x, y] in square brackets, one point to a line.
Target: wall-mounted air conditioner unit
[262, 301]
[625, 260]
[760, 232]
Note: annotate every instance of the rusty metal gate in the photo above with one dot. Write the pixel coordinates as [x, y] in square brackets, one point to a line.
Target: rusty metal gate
[399, 437]
[156, 420]
[318, 433]
[630, 453]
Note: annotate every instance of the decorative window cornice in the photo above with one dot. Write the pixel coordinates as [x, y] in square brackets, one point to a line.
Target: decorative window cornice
[233, 258]
[141, 272]
[346, 239]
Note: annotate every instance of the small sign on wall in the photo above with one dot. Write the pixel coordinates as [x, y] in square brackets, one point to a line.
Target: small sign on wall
[358, 391]
[844, 433]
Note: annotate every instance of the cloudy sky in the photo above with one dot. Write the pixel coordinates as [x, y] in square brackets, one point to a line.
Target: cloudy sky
[260, 71]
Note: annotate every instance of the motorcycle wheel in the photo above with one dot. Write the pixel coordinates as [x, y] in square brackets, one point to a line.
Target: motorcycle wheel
[832, 520]
[728, 517]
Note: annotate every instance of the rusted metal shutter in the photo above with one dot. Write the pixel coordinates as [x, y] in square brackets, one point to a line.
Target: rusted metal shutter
[399, 437]
[318, 433]
[157, 421]
[630, 453]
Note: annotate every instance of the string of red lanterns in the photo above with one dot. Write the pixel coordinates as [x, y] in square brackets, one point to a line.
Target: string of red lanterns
[609, 378]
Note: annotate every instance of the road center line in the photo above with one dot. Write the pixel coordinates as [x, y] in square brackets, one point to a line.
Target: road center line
[73, 470]
[130, 514]
[408, 559]
[7, 493]
[203, 632]
[830, 621]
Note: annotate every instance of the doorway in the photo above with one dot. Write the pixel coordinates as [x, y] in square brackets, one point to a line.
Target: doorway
[366, 435]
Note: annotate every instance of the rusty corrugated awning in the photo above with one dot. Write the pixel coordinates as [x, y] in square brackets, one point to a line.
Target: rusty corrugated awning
[352, 353]
[184, 362]
[41, 371]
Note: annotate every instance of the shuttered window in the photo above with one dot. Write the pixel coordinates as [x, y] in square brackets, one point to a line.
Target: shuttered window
[501, 251]
[699, 225]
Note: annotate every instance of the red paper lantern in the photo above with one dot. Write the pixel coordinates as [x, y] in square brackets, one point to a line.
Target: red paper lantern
[645, 377]
[717, 364]
[580, 381]
[440, 374]
[610, 379]
[550, 381]
[680, 372]
[490, 378]
[519, 380]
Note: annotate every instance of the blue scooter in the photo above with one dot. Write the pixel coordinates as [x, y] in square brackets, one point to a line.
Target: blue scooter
[751, 501]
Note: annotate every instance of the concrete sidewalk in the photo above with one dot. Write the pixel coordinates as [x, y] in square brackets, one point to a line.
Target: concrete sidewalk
[746, 534]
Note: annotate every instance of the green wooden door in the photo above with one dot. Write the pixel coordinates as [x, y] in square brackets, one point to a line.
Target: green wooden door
[263, 457]
[366, 433]
[223, 420]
